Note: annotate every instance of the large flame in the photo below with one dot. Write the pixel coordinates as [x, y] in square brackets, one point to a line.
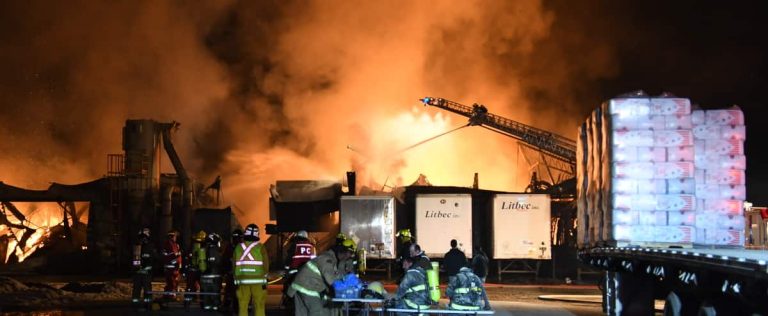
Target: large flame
[41, 218]
[270, 91]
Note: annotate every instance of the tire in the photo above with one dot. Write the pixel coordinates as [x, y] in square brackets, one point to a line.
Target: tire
[673, 305]
[707, 309]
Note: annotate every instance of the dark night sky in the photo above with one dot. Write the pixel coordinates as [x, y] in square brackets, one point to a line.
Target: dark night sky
[71, 72]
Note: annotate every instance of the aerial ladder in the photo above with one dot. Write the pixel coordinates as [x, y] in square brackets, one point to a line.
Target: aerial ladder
[555, 152]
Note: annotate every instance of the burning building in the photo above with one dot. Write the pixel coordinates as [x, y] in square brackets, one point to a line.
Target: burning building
[133, 194]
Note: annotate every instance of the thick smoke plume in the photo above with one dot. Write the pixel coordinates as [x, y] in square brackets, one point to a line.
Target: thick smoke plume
[269, 90]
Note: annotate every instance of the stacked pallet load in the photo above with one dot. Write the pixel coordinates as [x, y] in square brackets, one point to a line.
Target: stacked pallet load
[720, 163]
[650, 171]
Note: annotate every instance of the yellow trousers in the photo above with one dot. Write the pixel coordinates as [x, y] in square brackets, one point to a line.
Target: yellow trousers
[251, 294]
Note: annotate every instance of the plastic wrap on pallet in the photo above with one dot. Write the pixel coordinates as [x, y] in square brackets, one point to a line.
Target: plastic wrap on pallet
[682, 153]
[675, 202]
[681, 186]
[720, 237]
[670, 106]
[724, 176]
[720, 162]
[634, 170]
[639, 154]
[653, 218]
[673, 170]
[654, 202]
[723, 147]
[652, 165]
[634, 138]
[681, 218]
[626, 217]
[651, 186]
[673, 138]
[629, 107]
[674, 234]
[714, 220]
[736, 132]
[677, 121]
[724, 206]
[731, 116]
[721, 191]
[648, 233]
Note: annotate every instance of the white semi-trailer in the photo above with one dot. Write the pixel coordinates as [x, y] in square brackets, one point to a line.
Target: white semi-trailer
[521, 226]
[370, 222]
[440, 218]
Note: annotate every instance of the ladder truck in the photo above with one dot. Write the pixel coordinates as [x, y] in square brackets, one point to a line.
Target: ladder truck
[555, 152]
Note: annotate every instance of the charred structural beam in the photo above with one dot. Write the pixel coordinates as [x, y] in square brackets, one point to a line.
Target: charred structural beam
[186, 183]
[84, 192]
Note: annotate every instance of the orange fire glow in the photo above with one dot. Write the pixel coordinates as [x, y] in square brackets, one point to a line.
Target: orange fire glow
[280, 91]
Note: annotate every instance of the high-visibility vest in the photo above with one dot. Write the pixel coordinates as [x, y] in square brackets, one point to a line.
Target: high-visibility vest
[249, 264]
[302, 253]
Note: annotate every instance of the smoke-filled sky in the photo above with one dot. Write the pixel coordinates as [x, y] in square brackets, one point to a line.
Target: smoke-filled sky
[269, 90]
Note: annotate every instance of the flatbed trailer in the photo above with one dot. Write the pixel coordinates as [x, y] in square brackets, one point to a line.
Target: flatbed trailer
[691, 281]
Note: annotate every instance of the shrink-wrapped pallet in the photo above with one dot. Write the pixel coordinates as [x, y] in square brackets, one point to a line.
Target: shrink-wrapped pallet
[719, 176]
[653, 166]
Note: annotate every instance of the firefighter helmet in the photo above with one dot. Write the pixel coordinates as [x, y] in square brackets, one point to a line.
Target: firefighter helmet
[200, 236]
[404, 233]
[302, 234]
[349, 245]
[251, 232]
[144, 235]
[237, 233]
[374, 290]
[213, 239]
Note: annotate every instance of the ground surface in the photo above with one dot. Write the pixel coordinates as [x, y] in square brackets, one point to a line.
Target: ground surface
[39, 295]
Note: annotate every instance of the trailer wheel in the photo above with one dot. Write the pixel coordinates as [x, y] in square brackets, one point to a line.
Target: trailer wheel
[672, 305]
[679, 304]
[707, 309]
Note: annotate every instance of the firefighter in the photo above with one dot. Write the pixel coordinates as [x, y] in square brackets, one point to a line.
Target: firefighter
[453, 260]
[300, 250]
[466, 292]
[412, 293]
[196, 264]
[251, 267]
[230, 299]
[419, 257]
[211, 278]
[143, 259]
[404, 240]
[349, 266]
[311, 290]
[171, 265]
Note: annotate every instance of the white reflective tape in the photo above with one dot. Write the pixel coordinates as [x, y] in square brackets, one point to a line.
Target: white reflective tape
[251, 281]
[247, 251]
[250, 262]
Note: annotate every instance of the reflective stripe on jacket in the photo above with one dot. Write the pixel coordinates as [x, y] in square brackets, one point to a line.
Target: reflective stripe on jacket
[317, 275]
[251, 263]
[413, 289]
[466, 290]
